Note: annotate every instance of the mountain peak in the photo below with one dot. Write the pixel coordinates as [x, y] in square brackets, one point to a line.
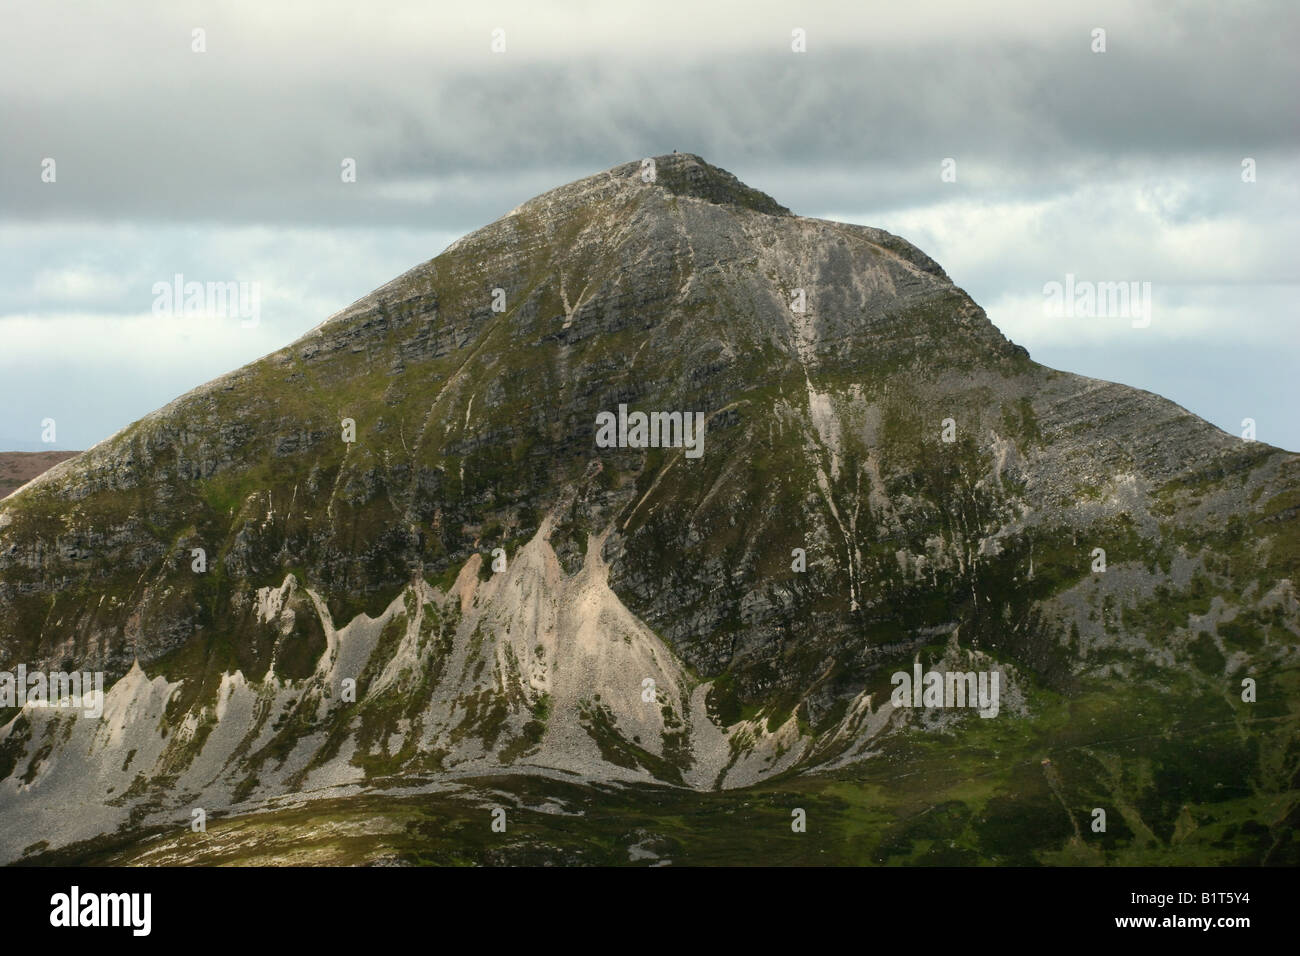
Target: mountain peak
[685, 174]
[679, 174]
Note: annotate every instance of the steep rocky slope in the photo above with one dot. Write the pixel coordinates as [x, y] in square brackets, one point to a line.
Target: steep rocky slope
[645, 620]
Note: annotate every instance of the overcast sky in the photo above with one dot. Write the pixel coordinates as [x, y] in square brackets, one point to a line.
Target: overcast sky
[224, 165]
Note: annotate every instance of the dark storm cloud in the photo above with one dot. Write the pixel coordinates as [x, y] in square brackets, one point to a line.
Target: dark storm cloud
[236, 135]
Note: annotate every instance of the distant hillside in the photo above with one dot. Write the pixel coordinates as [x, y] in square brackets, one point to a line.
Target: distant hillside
[19, 467]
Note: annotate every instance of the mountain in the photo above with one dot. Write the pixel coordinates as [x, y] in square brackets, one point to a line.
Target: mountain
[428, 587]
[19, 467]
[10, 445]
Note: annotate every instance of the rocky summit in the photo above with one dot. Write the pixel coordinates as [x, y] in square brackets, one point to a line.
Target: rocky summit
[650, 518]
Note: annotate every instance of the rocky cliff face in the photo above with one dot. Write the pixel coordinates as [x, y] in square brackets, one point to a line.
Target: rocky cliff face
[473, 584]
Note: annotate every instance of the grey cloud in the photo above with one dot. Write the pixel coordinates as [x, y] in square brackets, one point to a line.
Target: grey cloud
[261, 140]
